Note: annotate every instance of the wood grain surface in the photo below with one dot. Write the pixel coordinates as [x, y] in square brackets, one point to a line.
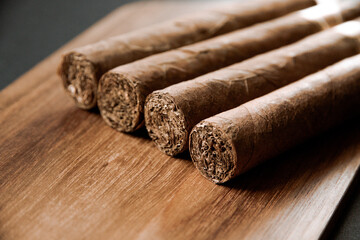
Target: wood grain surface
[64, 174]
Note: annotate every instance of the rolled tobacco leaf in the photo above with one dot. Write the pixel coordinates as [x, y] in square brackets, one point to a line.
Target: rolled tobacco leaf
[122, 91]
[232, 142]
[81, 68]
[171, 113]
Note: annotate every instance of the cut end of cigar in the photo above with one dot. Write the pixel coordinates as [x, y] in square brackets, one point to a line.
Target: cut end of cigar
[212, 152]
[166, 123]
[119, 103]
[79, 79]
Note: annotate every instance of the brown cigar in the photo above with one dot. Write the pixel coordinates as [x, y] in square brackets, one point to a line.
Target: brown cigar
[171, 113]
[232, 142]
[81, 68]
[122, 91]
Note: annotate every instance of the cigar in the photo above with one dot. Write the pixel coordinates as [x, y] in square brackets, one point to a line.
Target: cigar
[122, 91]
[81, 68]
[232, 142]
[171, 113]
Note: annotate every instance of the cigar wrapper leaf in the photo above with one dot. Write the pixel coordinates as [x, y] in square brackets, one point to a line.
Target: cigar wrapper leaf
[172, 112]
[81, 68]
[234, 141]
[123, 90]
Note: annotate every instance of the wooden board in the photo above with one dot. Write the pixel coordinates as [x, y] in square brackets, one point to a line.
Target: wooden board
[64, 174]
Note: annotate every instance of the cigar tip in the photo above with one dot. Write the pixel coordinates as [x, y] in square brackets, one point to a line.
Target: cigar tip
[165, 123]
[119, 103]
[79, 79]
[212, 152]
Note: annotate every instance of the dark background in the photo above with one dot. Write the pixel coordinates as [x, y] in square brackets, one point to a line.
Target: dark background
[30, 30]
